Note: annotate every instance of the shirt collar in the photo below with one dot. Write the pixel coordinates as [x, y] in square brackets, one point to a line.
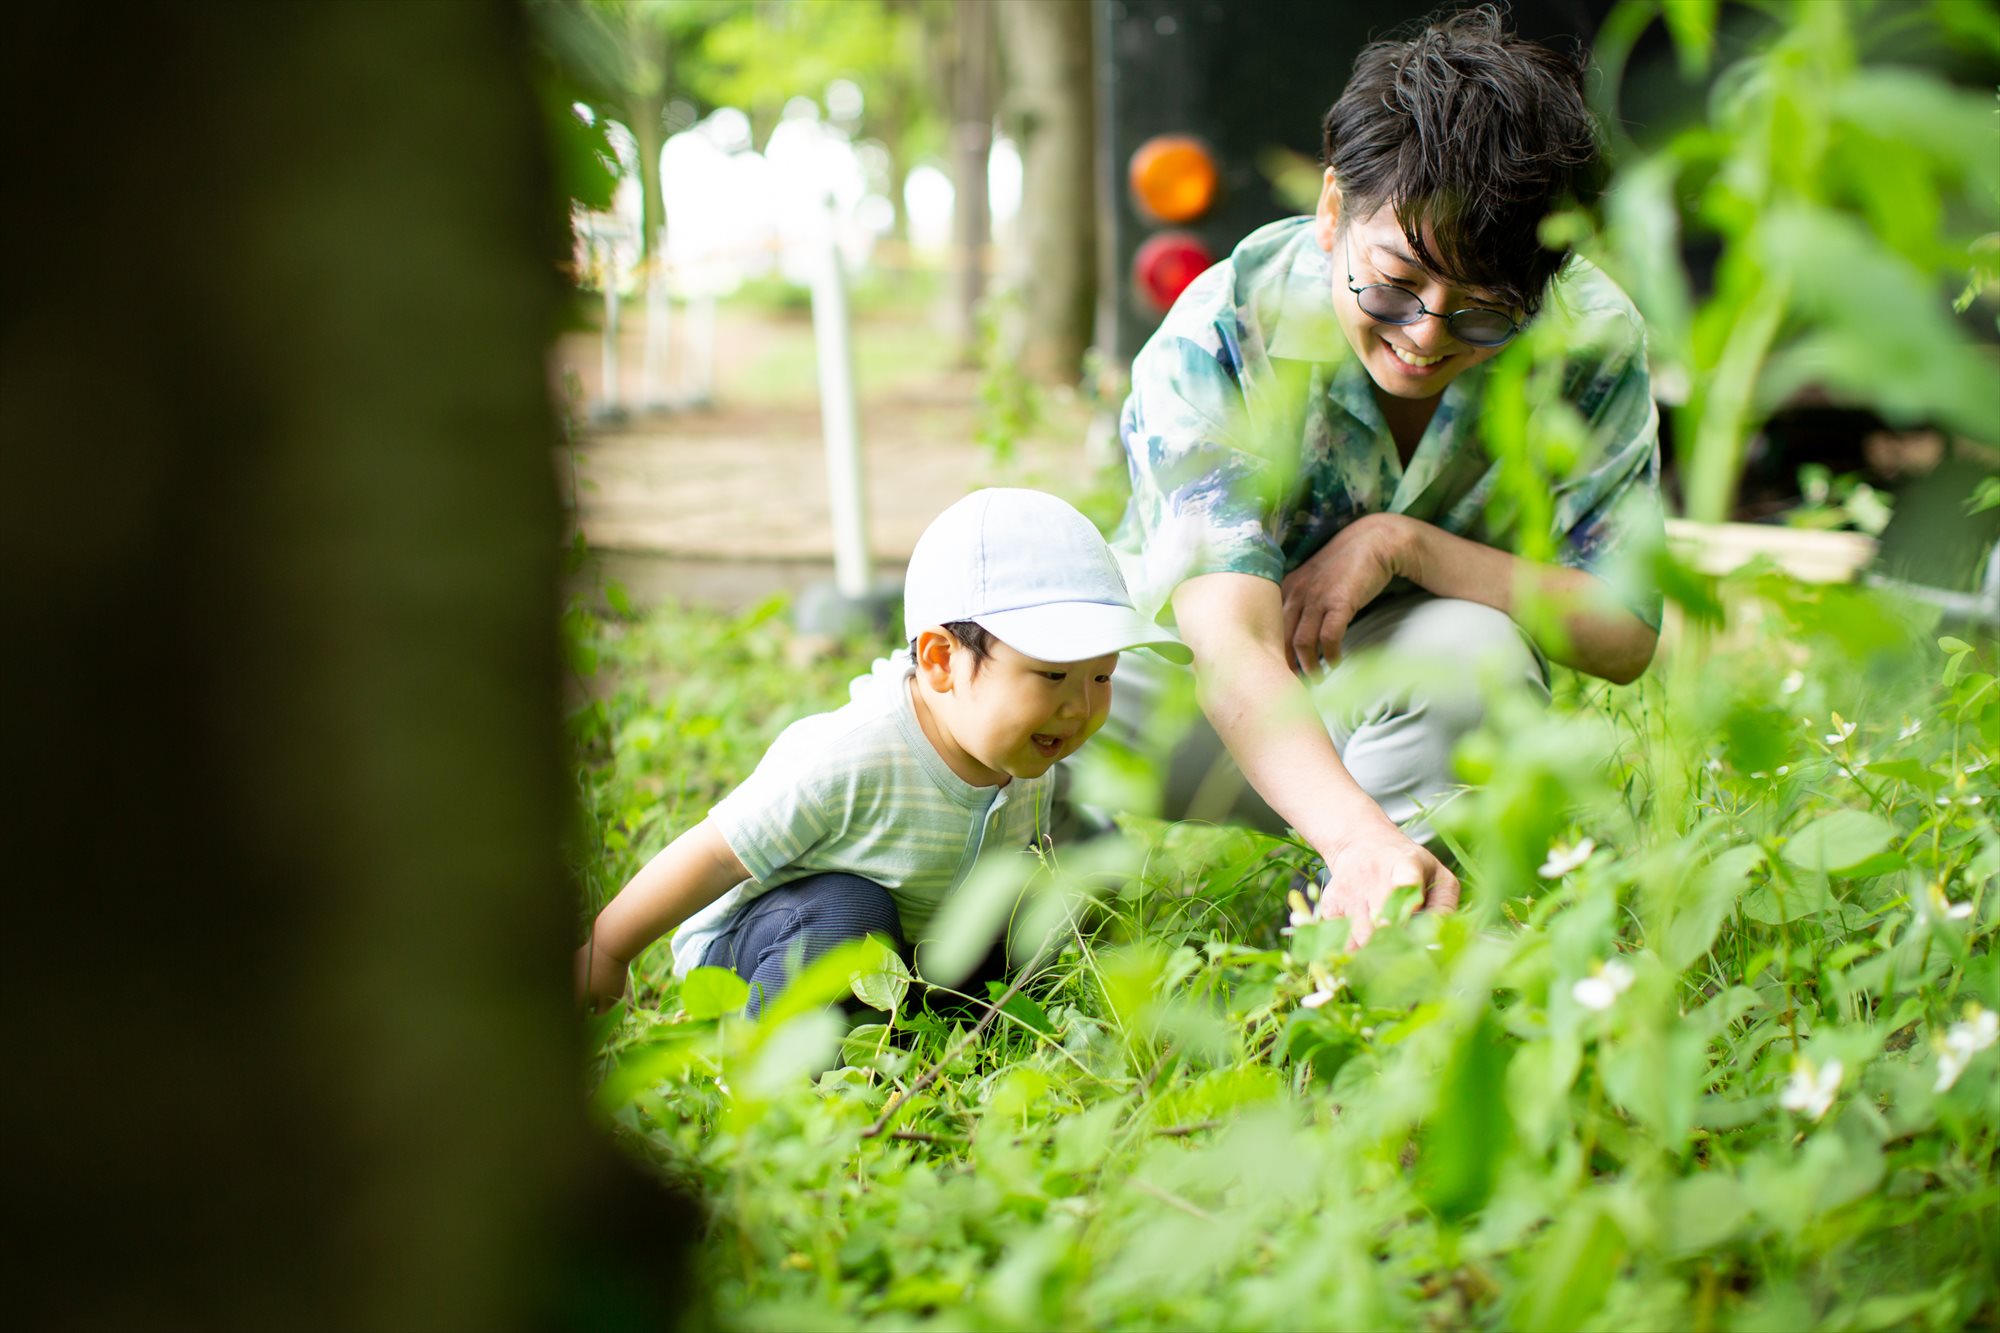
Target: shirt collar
[1304, 326]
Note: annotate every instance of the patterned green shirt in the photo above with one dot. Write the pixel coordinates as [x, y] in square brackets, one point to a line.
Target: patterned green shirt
[1253, 435]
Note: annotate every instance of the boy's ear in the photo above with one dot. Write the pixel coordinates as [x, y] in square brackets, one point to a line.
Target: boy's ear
[934, 650]
[1326, 218]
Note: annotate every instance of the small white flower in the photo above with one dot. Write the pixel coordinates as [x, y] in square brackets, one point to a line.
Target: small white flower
[1784, 769]
[1962, 1041]
[1790, 684]
[1594, 993]
[1302, 911]
[1714, 765]
[1951, 1063]
[1329, 984]
[1910, 729]
[1936, 904]
[1601, 990]
[1564, 859]
[1811, 1091]
[1841, 731]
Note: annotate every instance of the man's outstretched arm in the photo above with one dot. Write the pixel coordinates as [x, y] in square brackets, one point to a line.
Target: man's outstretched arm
[1234, 623]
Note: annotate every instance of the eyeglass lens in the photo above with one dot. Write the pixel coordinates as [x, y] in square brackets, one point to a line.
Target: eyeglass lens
[1393, 305]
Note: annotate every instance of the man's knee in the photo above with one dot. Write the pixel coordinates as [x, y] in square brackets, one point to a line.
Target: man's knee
[1438, 659]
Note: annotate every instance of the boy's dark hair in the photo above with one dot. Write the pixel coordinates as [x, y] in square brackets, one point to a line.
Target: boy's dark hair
[1475, 133]
[971, 635]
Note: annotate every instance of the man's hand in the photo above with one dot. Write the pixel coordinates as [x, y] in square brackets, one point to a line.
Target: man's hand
[1322, 596]
[1365, 870]
[600, 978]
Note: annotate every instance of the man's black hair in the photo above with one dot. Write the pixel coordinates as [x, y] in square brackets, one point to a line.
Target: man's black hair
[1473, 133]
[971, 635]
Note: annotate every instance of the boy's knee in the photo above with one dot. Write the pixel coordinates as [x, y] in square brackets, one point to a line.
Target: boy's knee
[833, 909]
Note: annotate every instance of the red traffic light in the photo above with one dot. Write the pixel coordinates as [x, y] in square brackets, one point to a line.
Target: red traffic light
[1166, 264]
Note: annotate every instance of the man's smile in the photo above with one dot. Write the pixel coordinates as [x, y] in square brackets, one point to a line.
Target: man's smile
[1412, 363]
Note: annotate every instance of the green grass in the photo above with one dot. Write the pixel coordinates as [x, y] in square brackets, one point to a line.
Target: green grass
[1156, 1132]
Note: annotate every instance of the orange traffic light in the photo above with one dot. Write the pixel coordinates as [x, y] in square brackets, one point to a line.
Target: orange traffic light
[1173, 178]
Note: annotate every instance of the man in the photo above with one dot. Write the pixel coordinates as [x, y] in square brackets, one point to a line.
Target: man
[1309, 477]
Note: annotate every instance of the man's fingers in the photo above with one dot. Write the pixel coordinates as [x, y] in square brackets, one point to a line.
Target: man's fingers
[1305, 640]
[1332, 630]
[1443, 894]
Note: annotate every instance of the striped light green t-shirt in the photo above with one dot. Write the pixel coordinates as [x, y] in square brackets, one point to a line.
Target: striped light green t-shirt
[862, 791]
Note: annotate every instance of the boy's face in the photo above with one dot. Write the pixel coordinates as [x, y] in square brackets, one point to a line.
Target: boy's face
[1405, 360]
[1014, 716]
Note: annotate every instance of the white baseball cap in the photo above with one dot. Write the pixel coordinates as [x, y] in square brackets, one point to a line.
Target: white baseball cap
[1030, 570]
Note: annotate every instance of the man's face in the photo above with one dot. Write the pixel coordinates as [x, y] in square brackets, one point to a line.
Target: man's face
[1405, 360]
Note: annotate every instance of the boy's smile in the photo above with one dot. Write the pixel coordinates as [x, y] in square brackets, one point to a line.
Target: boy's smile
[1010, 716]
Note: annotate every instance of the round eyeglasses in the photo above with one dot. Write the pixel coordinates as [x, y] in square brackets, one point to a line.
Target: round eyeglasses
[1386, 303]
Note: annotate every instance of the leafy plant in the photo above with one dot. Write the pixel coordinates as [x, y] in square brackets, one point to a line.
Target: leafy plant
[1709, 1045]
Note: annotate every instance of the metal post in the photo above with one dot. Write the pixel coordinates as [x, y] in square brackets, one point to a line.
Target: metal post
[652, 378]
[698, 349]
[609, 402]
[838, 417]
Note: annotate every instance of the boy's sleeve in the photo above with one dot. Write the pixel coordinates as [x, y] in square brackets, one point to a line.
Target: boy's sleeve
[1204, 491]
[776, 817]
[1608, 513]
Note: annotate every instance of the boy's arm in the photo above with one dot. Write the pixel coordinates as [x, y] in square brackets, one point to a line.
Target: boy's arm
[690, 873]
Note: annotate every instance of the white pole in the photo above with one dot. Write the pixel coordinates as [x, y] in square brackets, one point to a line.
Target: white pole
[838, 418]
[610, 394]
[700, 345]
[652, 381]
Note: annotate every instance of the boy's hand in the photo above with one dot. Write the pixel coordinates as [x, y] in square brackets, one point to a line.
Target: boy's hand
[600, 978]
[1364, 871]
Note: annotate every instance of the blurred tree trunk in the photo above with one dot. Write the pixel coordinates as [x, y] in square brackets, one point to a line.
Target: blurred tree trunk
[971, 144]
[1050, 113]
[293, 1041]
[648, 53]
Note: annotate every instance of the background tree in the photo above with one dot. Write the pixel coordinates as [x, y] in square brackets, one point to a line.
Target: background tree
[1049, 112]
[293, 1033]
[972, 77]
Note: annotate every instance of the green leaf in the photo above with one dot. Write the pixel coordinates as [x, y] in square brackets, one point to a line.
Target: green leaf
[1704, 904]
[1469, 1132]
[1916, 774]
[883, 981]
[826, 980]
[1021, 1007]
[1952, 645]
[1703, 1211]
[619, 599]
[711, 992]
[1836, 843]
[1573, 1267]
[1692, 25]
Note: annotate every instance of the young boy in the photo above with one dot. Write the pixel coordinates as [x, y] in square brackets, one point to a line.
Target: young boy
[863, 820]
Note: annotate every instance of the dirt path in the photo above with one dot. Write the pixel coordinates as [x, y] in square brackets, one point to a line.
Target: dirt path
[728, 502]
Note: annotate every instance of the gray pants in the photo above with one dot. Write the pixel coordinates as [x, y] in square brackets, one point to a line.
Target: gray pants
[1415, 675]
